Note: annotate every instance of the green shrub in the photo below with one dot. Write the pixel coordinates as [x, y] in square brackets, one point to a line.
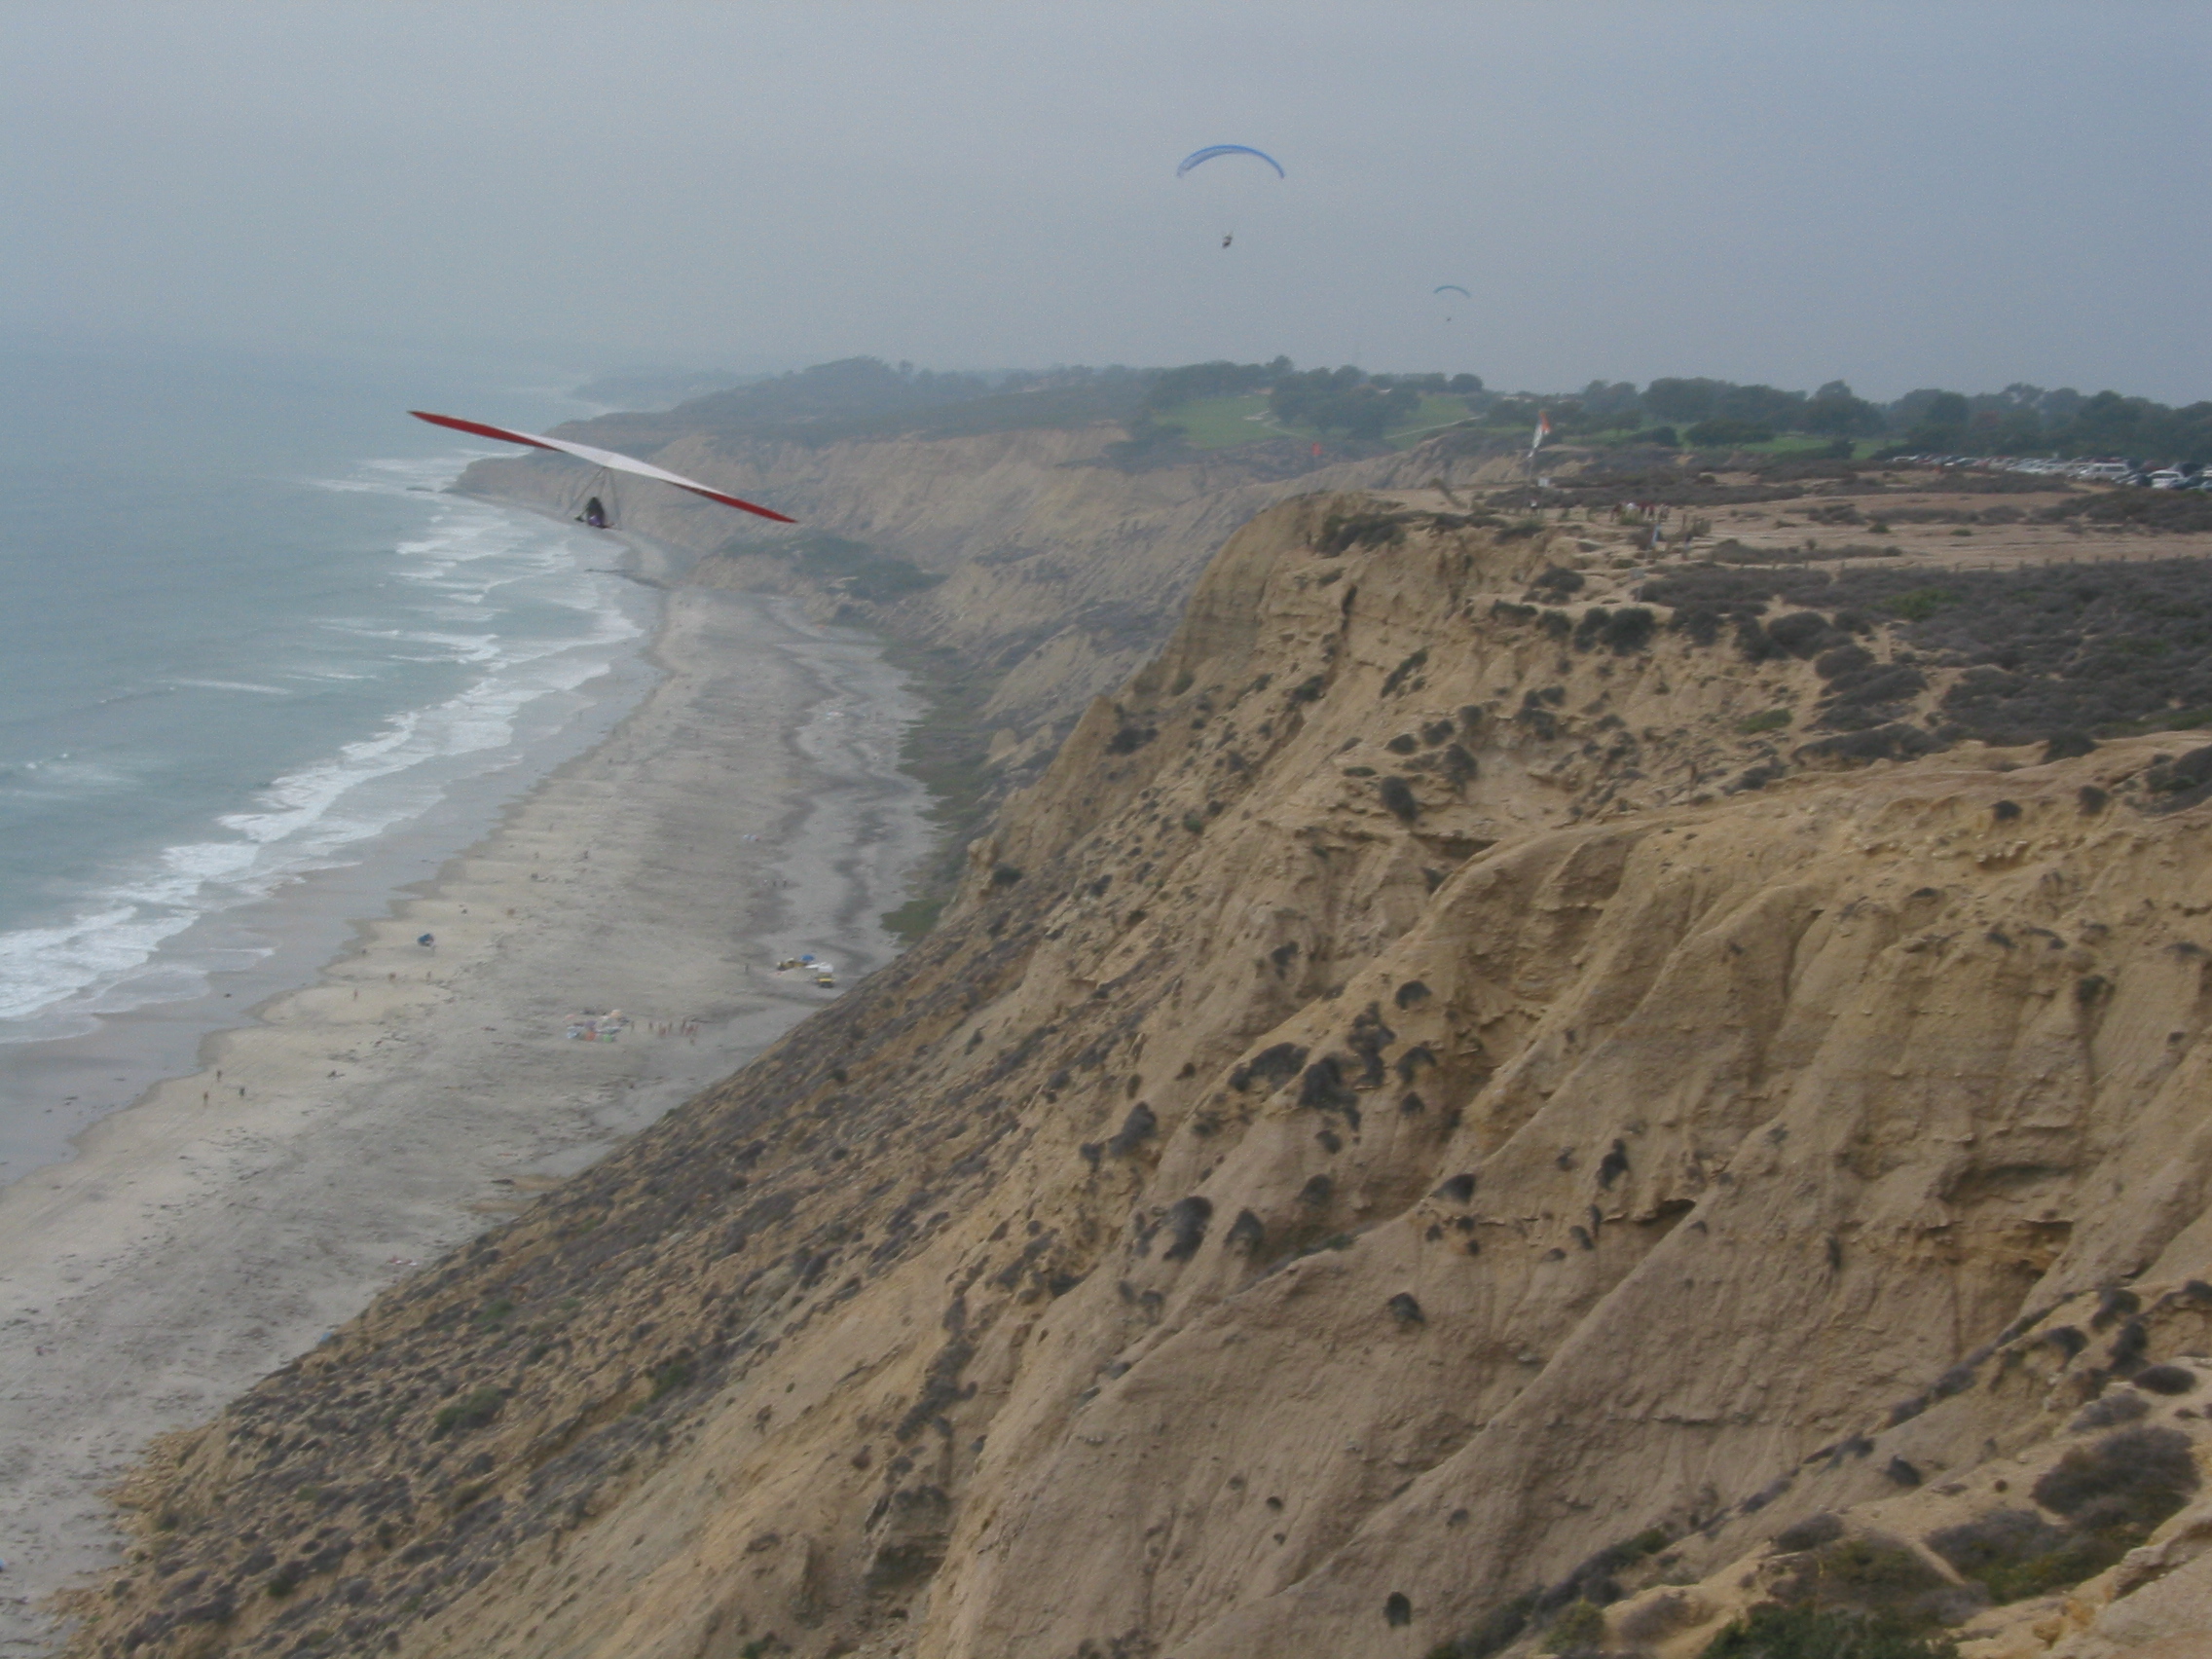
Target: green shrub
[1343, 532]
[1773, 719]
[669, 1378]
[1810, 1533]
[473, 1411]
[1920, 604]
[1872, 1571]
[2015, 1553]
[1500, 1628]
[1629, 630]
[1811, 1632]
[913, 920]
[2175, 777]
[1398, 796]
[1580, 1624]
[2131, 1480]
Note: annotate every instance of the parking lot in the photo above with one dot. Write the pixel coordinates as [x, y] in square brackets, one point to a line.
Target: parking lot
[2108, 469]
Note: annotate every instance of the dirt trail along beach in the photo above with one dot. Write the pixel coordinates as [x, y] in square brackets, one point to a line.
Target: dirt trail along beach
[749, 810]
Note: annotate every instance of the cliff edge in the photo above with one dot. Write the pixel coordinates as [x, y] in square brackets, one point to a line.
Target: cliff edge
[1471, 1108]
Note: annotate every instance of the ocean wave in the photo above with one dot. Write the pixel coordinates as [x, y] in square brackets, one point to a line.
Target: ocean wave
[60, 777]
[404, 475]
[122, 949]
[233, 686]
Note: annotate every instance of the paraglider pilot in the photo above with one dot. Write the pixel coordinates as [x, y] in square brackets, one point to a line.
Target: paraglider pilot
[594, 514]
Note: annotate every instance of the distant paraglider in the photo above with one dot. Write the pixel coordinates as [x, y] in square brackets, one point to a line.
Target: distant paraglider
[608, 460]
[1231, 186]
[1444, 288]
[1214, 152]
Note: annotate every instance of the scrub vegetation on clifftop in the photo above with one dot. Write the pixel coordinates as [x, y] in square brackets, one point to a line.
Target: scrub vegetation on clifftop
[2044, 650]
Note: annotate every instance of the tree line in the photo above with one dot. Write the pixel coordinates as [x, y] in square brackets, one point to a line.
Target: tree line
[1704, 413]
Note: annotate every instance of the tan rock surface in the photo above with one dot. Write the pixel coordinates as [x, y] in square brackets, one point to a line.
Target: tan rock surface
[1383, 1125]
[1064, 571]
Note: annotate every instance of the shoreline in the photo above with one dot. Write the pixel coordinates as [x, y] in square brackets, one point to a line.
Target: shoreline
[748, 807]
[100, 1047]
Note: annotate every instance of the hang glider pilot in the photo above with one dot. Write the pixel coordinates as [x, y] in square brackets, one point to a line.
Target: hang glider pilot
[594, 514]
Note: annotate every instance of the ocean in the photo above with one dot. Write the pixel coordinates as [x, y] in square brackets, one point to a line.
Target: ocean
[257, 675]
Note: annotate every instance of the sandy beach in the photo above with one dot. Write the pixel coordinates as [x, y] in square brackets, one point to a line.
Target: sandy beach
[748, 809]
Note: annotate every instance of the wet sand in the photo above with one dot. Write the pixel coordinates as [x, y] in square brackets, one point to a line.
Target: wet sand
[749, 809]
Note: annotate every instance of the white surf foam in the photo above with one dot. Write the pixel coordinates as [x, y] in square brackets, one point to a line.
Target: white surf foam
[56, 978]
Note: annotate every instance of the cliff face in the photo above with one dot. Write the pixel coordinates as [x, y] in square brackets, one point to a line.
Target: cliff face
[1396, 1146]
[1057, 573]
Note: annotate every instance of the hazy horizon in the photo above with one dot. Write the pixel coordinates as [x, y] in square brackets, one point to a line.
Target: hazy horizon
[1963, 196]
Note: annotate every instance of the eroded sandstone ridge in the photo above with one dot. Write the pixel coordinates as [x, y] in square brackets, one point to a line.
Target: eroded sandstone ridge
[1048, 569]
[1430, 1127]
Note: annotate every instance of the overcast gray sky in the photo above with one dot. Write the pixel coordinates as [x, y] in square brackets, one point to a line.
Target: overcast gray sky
[1901, 195]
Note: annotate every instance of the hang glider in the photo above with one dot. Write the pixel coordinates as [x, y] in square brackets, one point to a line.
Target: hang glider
[601, 457]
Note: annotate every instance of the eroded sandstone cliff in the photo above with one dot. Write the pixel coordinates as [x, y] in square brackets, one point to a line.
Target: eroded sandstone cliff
[1417, 1135]
[1042, 564]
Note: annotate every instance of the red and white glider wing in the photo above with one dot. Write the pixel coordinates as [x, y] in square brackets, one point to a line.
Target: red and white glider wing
[601, 457]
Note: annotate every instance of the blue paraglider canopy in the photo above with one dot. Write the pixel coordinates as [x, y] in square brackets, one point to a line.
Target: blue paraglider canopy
[1450, 288]
[1196, 156]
